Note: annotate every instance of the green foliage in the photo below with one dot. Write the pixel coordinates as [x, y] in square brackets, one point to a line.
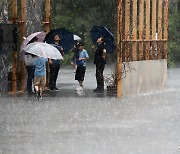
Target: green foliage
[174, 34]
[80, 15]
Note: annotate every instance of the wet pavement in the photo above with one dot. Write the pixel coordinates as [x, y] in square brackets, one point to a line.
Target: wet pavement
[65, 123]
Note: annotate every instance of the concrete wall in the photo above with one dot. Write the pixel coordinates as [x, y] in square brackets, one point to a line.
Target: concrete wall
[144, 76]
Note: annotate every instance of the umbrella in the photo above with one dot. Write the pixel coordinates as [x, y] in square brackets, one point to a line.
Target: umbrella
[76, 37]
[43, 50]
[39, 35]
[67, 39]
[98, 31]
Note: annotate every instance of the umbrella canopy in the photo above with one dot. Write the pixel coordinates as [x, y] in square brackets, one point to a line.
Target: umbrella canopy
[98, 31]
[67, 39]
[40, 37]
[43, 50]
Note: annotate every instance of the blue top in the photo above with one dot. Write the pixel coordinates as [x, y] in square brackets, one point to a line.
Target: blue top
[40, 66]
[82, 54]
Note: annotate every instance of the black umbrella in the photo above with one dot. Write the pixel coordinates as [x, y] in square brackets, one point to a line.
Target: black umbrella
[98, 31]
[67, 38]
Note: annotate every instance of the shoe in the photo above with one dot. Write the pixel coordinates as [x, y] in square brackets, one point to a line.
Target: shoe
[79, 88]
[40, 97]
[97, 90]
[30, 92]
[56, 89]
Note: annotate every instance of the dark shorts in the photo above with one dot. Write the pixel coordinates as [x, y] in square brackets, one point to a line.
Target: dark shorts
[80, 72]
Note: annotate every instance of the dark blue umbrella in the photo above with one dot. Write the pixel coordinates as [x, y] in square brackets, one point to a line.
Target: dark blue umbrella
[98, 31]
[67, 38]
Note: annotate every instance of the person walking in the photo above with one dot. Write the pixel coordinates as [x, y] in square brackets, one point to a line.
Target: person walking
[39, 75]
[81, 65]
[30, 68]
[28, 60]
[100, 61]
[54, 65]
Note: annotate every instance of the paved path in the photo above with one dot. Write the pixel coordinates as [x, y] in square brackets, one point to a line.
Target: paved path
[64, 123]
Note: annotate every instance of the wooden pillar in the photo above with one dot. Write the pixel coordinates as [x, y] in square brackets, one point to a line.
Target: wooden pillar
[47, 23]
[14, 53]
[119, 54]
[47, 26]
[23, 34]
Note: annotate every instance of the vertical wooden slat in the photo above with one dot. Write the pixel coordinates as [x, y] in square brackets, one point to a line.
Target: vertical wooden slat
[147, 53]
[47, 25]
[119, 54]
[133, 83]
[14, 53]
[127, 42]
[127, 30]
[159, 29]
[153, 29]
[147, 45]
[47, 16]
[134, 32]
[141, 28]
[165, 28]
[23, 33]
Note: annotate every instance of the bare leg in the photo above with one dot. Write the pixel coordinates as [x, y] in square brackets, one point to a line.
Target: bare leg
[80, 83]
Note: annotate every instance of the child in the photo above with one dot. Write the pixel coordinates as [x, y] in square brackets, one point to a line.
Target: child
[81, 65]
[39, 75]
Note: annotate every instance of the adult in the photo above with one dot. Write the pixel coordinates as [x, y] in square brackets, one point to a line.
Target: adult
[100, 61]
[54, 65]
[30, 68]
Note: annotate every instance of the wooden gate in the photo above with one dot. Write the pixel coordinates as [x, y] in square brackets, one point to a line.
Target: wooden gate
[142, 36]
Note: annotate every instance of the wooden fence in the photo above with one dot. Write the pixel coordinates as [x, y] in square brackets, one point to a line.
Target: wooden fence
[142, 32]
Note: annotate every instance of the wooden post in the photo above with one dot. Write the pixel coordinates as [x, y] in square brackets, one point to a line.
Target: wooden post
[119, 54]
[47, 24]
[23, 34]
[14, 53]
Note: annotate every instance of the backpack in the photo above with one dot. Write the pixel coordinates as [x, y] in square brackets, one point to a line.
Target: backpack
[28, 59]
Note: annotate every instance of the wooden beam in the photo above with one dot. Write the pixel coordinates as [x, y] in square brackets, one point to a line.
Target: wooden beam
[23, 34]
[119, 54]
[47, 23]
[14, 53]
